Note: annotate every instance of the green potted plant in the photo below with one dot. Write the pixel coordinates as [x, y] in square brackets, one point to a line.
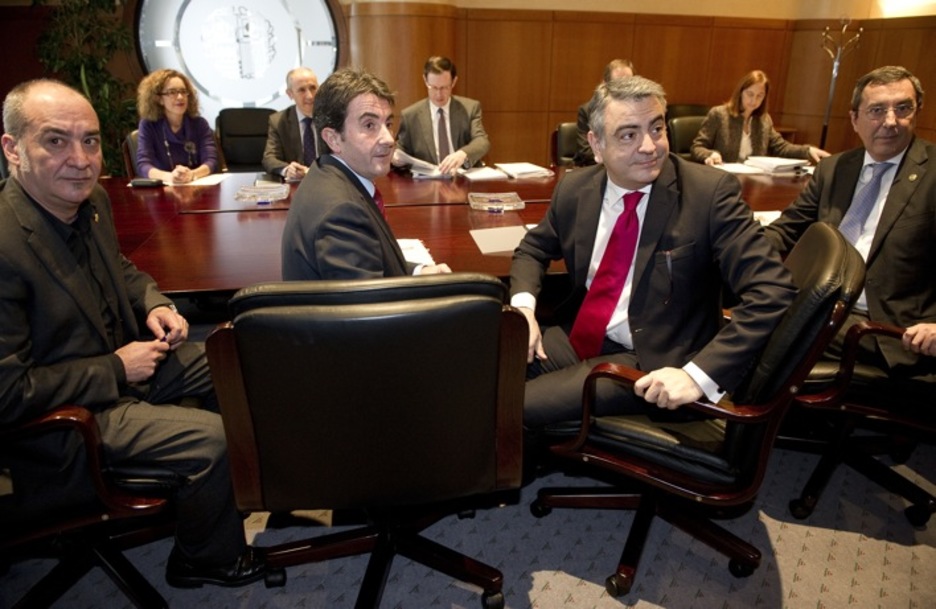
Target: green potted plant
[79, 43]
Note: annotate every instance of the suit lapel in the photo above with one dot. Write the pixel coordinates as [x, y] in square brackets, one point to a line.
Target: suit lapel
[663, 199]
[588, 207]
[909, 175]
[843, 185]
[368, 202]
[54, 254]
[292, 135]
[459, 123]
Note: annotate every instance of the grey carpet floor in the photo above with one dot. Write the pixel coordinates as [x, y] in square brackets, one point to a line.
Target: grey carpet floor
[856, 550]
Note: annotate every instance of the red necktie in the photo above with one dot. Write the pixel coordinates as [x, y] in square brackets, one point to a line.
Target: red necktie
[378, 200]
[591, 323]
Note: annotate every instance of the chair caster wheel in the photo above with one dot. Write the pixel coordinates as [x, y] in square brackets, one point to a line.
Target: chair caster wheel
[740, 569]
[275, 578]
[540, 509]
[800, 509]
[492, 600]
[618, 585]
[918, 515]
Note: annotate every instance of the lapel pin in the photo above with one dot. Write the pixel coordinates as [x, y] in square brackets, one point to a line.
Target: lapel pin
[912, 177]
[95, 217]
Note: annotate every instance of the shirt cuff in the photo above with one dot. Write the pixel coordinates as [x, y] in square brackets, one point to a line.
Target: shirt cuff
[709, 387]
[523, 300]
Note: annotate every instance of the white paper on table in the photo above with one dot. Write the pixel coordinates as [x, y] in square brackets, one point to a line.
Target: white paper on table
[415, 251]
[208, 180]
[498, 240]
[738, 168]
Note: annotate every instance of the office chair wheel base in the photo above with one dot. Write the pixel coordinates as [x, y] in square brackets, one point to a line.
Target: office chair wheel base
[740, 569]
[492, 600]
[918, 515]
[618, 584]
[275, 578]
[540, 509]
[801, 509]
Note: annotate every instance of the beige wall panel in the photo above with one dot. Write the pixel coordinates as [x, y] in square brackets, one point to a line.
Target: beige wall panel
[675, 56]
[735, 52]
[518, 136]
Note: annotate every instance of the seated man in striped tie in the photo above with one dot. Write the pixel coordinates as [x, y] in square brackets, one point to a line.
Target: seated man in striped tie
[649, 241]
[335, 227]
[292, 141]
[882, 196]
[443, 129]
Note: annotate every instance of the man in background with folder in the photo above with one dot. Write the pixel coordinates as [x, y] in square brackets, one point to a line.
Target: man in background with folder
[649, 241]
[882, 197]
[443, 129]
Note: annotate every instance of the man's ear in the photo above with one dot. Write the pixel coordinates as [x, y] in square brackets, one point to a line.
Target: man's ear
[596, 149]
[332, 139]
[10, 150]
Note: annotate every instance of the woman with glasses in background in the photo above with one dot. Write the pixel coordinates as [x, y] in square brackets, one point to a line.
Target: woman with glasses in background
[175, 144]
[741, 127]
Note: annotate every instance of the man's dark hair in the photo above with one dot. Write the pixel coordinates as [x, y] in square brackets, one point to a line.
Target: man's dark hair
[439, 65]
[337, 92]
[884, 76]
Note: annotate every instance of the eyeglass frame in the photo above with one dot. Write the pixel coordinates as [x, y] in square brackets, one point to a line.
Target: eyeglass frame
[175, 93]
[902, 110]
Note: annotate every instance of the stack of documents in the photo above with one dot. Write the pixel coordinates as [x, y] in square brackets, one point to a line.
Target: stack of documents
[482, 173]
[772, 164]
[420, 169]
[524, 170]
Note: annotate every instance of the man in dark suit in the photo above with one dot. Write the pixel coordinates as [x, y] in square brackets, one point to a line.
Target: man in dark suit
[335, 228]
[897, 232]
[696, 235]
[81, 324]
[286, 151]
[462, 141]
[616, 68]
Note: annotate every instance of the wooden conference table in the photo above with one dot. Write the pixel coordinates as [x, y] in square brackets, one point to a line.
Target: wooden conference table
[200, 240]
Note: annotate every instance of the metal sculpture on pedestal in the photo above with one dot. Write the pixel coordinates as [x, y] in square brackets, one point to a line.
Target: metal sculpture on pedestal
[837, 49]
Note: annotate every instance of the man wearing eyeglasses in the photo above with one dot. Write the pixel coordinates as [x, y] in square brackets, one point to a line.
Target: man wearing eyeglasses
[443, 129]
[883, 199]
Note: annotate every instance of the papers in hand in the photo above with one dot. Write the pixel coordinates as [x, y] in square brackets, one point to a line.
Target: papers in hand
[772, 164]
[524, 170]
[419, 168]
[415, 251]
[495, 201]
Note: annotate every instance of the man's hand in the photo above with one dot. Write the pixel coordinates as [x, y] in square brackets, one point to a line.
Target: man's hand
[453, 162]
[817, 154]
[295, 171]
[167, 326]
[435, 269]
[535, 348]
[921, 339]
[713, 159]
[668, 388]
[140, 358]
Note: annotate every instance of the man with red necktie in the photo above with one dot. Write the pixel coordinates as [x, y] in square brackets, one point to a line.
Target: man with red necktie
[650, 243]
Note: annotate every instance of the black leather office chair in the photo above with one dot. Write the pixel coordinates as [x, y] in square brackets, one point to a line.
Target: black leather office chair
[242, 134]
[677, 110]
[562, 145]
[682, 130]
[128, 150]
[401, 397]
[864, 413]
[125, 506]
[688, 472]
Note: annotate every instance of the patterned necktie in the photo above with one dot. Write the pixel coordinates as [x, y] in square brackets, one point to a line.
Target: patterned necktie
[308, 142]
[591, 323]
[443, 136]
[857, 214]
[378, 200]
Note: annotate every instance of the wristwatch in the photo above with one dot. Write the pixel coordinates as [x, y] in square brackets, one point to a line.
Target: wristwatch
[237, 52]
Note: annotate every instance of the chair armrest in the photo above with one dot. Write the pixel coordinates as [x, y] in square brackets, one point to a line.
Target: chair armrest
[81, 421]
[833, 394]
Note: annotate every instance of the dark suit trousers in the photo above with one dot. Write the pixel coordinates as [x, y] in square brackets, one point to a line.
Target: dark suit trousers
[189, 441]
[554, 386]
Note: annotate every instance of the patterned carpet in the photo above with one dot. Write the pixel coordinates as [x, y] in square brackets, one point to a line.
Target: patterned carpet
[856, 550]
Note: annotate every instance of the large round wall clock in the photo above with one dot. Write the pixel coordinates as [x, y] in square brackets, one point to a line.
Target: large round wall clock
[237, 52]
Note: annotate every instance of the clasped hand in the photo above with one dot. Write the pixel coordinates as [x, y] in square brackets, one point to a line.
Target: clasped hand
[141, 358]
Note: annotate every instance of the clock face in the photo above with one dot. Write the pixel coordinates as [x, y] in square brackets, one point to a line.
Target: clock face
[237, 52]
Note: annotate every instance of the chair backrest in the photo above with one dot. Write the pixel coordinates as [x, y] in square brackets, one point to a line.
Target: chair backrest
[562, 145]
[371, 393]
[677, 110]
[128, 149]
[4, 170]
[242, 134]
[682, 130]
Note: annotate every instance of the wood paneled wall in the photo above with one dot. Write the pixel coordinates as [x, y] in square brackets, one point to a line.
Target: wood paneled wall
[532, 68]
